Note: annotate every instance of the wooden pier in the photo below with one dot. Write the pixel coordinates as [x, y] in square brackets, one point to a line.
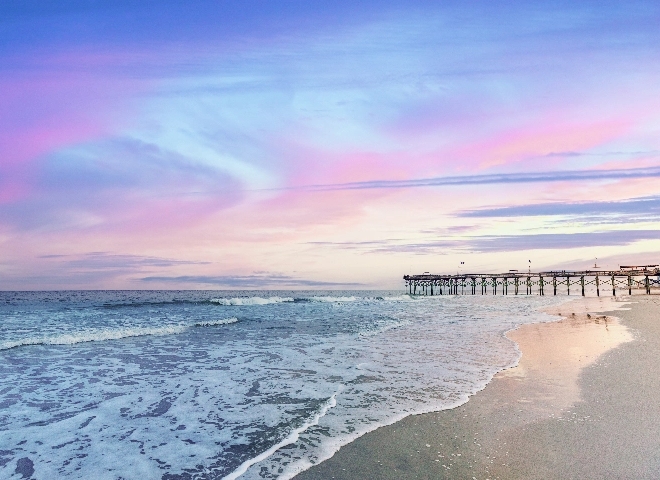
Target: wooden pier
[626, 279]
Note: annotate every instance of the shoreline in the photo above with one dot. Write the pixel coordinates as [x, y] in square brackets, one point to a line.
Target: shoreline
[482, 438]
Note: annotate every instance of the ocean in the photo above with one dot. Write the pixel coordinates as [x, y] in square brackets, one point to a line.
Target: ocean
[227, 384]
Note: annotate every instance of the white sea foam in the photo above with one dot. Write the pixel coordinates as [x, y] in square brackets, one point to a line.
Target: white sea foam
[243, 301]
[393, 359]
[109, 334]
[213, 323]
[398, 298]
[289, 440]
[381, 329]
[251, 300]
[334, 299]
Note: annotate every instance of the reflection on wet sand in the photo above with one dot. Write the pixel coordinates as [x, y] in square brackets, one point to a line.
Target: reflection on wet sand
[554, 353]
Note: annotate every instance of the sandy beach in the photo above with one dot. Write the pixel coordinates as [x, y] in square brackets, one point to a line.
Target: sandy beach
[583, 403]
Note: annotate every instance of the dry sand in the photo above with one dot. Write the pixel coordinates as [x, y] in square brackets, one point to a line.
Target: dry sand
[583, 403]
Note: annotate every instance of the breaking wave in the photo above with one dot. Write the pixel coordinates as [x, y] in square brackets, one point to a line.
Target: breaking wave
[110, 334]
[213, 323]
[335, 299]
[245, 301]
[251, 300]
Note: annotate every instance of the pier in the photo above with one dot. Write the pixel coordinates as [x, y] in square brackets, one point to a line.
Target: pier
[626, 279]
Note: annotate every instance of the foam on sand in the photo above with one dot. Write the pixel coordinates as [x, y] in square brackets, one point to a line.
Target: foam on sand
[290, 439]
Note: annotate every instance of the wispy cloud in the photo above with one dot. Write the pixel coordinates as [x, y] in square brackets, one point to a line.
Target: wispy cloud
[495, 178]
[246, 281]
[639, 207]
[95, 261]
[89, 270]
[555, 241]
[119, 180]
[357, 245]
[502, 243]
[626, 154]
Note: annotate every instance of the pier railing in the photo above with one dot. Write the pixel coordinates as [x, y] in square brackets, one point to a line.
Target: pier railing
[514, 283]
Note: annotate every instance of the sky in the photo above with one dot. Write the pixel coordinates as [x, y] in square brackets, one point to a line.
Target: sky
[323, 144]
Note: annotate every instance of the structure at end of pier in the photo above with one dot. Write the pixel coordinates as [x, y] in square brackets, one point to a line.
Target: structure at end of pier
[636, 278]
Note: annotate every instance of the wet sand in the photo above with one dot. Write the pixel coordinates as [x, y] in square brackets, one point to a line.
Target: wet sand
[583, 403]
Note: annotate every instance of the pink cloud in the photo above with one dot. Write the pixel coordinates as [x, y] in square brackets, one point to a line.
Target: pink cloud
[535, 144]
[47, 111]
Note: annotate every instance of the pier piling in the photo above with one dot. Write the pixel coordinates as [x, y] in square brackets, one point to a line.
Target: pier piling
[428, 284]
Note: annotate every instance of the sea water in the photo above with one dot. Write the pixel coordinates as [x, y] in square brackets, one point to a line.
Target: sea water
[209, 385]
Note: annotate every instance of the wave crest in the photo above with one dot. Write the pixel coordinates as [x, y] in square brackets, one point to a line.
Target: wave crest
[110, 334]
[333, 299]
[213, 323]
[247, 301]
[251, 300]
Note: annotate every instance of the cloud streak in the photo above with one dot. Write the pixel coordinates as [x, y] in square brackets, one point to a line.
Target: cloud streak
[495, 178]
[247, 281]
[97, 261]
[89, 270]
[554, 241]
[502, 243]
[638, 207]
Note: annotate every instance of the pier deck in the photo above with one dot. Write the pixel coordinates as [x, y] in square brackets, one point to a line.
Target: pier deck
[646, 278]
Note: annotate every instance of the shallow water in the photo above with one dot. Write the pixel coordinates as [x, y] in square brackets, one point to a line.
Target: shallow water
[207, 384]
